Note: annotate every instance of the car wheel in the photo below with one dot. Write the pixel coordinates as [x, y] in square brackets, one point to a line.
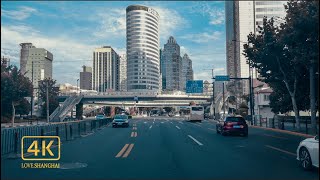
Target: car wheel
[245, 134]
[223, 133]
[305, 159]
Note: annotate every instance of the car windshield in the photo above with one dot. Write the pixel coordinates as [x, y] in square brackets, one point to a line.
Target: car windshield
[120, 117]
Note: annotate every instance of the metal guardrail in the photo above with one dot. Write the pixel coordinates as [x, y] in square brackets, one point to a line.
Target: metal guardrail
[11, 137]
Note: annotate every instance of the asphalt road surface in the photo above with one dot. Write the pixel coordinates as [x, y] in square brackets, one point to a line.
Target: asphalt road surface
[170, 148]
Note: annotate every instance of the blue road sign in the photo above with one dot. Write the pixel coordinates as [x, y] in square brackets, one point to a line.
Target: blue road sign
[222, 78]
[194, 86]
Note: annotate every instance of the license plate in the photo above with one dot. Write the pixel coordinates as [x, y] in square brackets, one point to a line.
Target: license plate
[119, 123]
[236, 126]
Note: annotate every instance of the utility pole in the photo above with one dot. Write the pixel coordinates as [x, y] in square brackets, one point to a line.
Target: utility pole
[47, 101]
[213, 100]
[223, 105]
[32, 90]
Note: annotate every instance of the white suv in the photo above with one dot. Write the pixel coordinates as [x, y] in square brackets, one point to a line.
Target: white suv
[308, 153]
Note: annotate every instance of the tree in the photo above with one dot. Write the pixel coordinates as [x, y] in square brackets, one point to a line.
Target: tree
[302, 39]
[53, 93]
[23, 108]
[14, 87]
[275, 62]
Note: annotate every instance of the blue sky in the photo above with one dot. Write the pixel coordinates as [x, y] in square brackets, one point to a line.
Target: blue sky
[71, 31]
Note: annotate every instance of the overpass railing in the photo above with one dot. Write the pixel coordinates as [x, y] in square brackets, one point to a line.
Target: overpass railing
[11, 137]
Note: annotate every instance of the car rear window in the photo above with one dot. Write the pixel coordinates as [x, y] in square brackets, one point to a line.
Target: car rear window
[197, 109]
[120, 117]
[235, 119]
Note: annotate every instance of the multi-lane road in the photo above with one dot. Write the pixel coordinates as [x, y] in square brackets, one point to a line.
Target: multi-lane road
[169, 148]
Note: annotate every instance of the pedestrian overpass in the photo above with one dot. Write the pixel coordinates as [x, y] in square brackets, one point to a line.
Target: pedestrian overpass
[68, 102]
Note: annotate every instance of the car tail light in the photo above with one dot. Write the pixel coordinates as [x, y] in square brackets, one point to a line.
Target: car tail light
[229, 124]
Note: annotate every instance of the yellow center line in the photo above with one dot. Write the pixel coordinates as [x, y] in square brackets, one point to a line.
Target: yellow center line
[122, 150]
[281, 150]
[126, 154]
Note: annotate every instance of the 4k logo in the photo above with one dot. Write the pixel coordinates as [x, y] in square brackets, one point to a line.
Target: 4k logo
[42, 148]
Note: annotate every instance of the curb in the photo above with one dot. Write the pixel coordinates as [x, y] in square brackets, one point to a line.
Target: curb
[284, 131]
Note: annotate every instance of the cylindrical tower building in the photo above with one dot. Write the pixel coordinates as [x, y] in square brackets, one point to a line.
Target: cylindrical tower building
[143, 60]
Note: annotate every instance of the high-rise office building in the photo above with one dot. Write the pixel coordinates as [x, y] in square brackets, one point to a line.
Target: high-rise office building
[123, 73]
[86, 78]
[143, 66]
[243, 17]
[105, 72]
[37, 64]
[187, 71]
[24, 53]
[171, 65]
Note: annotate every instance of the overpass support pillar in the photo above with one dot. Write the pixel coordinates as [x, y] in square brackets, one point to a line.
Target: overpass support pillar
[79, 111]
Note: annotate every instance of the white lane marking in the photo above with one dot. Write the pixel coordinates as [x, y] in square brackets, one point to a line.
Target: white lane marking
[211, 129]
[177, 127]
[281, 150]
[162, 122]
[199, 143]
[145, 122]
[275, 136]
[171, 122]
[153, 122]
[150, 127]
[197, 125]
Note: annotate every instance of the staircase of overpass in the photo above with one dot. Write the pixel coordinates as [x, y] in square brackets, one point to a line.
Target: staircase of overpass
[60, 113]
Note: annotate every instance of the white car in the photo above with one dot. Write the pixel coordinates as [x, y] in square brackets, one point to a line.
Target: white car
[308, 153]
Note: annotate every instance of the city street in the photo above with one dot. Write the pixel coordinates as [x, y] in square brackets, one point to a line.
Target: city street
[171, 148]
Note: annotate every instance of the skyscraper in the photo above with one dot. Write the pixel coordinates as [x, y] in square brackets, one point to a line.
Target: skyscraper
[243, 17]
[171, 65]
[24, 53]
[123, 73]
[143, 66]
[36, 62]
[187, 71]
[105, 74]
[86, 78]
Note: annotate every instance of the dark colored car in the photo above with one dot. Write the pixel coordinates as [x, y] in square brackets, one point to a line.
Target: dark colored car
[120, 120]
[232, 125]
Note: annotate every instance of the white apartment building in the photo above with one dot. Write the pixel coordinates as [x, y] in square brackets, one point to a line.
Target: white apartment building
[105, 72]
[143, 61]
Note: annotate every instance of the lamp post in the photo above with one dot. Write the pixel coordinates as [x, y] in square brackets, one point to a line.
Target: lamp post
[250, 85]
[77, 85]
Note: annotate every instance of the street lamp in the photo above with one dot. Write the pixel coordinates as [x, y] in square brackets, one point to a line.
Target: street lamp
[250, 83]
[77, 85]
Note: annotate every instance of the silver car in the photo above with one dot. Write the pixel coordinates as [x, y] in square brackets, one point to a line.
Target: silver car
[120, 120]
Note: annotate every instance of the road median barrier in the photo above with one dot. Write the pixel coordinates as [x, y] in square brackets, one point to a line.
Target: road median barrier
[67, 131]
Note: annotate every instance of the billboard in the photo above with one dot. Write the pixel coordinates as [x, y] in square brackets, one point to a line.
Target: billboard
[194, 86]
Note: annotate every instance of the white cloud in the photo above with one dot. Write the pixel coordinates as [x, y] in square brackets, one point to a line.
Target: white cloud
[203, 37]
[170, 21]
[216, 15]
[68, 55]
[112, 23]
[22, 13]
